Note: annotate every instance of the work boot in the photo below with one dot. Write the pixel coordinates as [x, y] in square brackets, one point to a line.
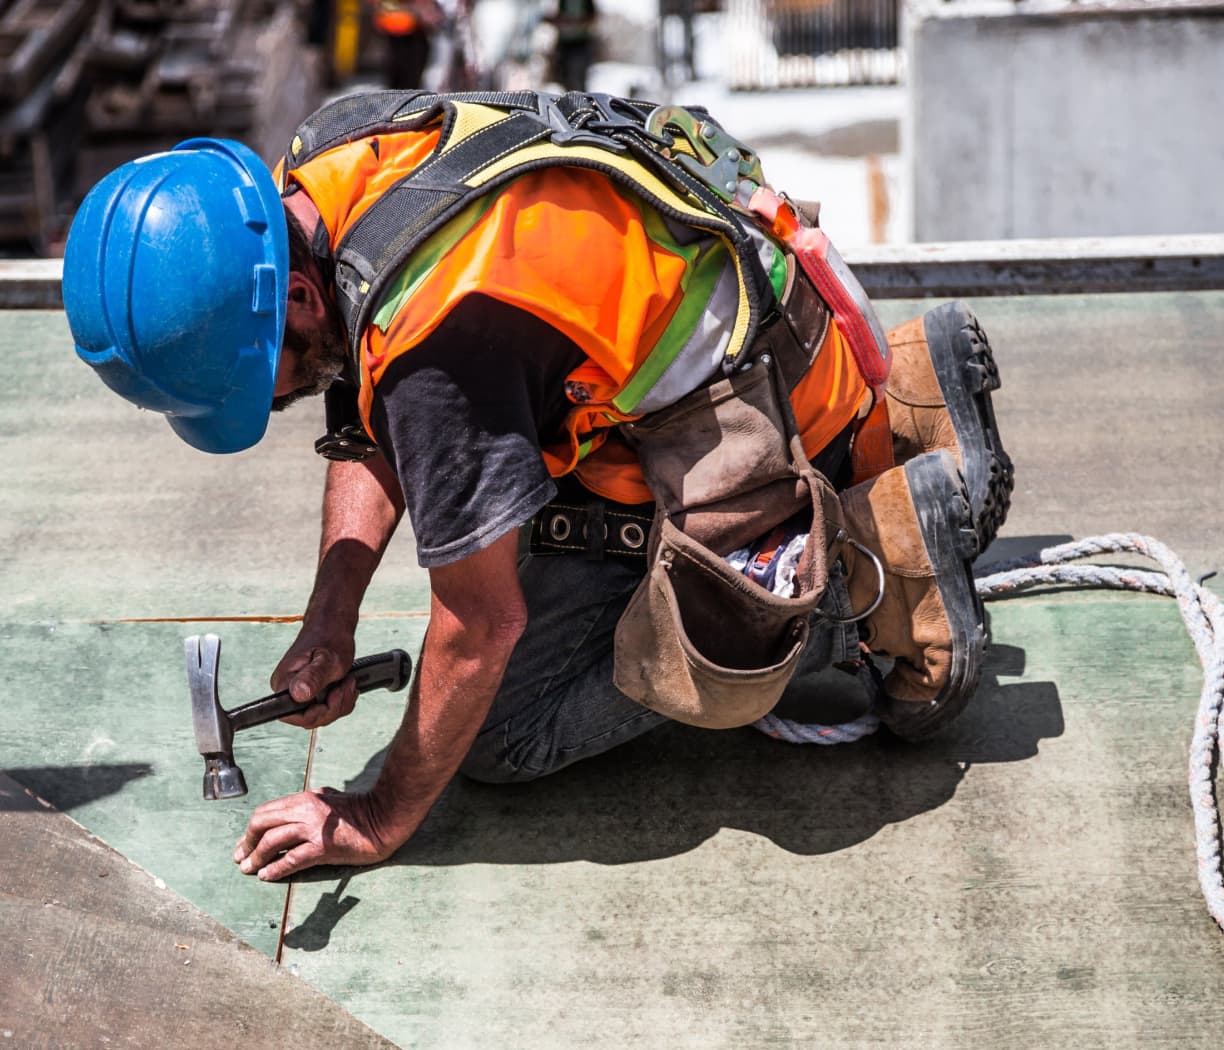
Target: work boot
[916, 519]
[938, 397]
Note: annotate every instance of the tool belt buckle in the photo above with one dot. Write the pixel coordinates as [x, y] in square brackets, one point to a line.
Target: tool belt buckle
[719, 160]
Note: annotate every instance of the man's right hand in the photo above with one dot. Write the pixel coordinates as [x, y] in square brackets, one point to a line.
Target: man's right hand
[314, 662]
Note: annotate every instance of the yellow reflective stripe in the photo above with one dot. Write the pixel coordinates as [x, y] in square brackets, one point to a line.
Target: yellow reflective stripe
[600, 158]
[471, 117]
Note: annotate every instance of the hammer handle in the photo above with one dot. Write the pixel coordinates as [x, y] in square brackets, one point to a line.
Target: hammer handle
[390, 670]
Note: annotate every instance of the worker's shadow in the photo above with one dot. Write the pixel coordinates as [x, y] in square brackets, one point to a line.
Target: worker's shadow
[666, 793]
[669, 791]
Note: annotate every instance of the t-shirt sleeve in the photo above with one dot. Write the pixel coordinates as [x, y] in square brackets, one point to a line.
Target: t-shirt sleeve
[459, 418]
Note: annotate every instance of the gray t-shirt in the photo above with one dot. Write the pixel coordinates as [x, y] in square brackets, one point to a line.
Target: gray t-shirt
[462, 417]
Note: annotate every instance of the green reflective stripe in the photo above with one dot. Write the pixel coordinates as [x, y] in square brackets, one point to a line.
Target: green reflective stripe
[704, 264]
[697, 287]
[425, 258]
[777, 273]
[584, 447]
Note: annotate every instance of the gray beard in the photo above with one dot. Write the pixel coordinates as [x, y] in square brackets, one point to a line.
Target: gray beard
[321, 359]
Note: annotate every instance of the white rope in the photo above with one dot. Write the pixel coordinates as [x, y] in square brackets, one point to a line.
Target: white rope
[1203, 614]
[807, 733]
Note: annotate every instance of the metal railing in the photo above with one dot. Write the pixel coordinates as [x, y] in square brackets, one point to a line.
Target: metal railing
[909, 271]
[812, 43]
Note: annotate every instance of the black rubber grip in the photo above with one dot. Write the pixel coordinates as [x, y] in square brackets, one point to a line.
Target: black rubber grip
[389, 670]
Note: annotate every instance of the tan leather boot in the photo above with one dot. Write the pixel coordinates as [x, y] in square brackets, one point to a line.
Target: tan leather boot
[916, 520]
[938, 397]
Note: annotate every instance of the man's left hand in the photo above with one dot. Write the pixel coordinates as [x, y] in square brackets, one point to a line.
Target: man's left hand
[291, 834]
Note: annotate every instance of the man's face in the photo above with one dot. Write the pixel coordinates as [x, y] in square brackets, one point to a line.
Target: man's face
[311, 358]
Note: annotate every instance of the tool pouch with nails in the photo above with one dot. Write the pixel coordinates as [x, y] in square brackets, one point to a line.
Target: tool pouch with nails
[699, 642]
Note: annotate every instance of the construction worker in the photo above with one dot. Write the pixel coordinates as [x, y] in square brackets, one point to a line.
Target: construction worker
[406, 27]
[575, 23]
[525, 308]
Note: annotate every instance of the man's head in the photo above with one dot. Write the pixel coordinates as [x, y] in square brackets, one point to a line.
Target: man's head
[178, 289]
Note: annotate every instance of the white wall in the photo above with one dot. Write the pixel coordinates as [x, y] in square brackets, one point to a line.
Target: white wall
[1059, 120]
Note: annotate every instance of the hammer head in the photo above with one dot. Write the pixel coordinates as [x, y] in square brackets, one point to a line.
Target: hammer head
[213, 730]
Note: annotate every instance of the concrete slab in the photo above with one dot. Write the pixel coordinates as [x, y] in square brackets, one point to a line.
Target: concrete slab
[108, 515]
[97, 952]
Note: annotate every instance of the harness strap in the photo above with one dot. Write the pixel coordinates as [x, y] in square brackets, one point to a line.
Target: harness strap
[405, 216]
[796, 331]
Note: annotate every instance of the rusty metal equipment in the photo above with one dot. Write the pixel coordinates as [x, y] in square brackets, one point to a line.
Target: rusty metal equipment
[88, 84]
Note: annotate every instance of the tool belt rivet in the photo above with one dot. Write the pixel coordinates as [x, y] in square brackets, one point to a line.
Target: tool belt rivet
[632, 536]
[559, 527]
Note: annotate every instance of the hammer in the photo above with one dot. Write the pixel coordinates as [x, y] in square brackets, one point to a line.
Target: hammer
[215, 727]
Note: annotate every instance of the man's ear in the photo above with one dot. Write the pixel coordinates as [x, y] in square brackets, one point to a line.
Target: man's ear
[306, 304]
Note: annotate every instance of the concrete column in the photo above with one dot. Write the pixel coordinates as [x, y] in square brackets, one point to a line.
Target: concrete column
[1058, 120]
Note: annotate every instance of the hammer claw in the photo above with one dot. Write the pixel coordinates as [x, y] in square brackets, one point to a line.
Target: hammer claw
[212, 730]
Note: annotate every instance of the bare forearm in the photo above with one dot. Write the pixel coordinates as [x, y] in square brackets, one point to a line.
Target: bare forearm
[362, 506]
[476, 617]
[477, 614]
[452, 694]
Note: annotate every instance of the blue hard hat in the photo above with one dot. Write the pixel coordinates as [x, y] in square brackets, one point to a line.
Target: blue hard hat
[176, 276]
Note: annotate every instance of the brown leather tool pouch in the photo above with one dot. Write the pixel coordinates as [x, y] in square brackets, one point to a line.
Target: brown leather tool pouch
[699, 642]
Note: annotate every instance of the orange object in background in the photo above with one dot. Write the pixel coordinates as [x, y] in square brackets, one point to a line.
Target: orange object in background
[394, 19]
[405, 17]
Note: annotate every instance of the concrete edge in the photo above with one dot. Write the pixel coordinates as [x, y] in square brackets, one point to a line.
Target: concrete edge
[155, 969]
[1052, 266]
[1192, 262]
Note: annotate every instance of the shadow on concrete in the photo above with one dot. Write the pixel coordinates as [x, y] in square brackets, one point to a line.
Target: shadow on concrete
[67, 787]
[313, 933]
[1005, 548]
[669, 791]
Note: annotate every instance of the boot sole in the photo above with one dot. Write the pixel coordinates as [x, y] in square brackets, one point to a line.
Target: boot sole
[947, 527]
[965, 368]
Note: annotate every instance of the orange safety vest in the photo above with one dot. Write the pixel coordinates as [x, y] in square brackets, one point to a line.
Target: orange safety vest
[592, 259]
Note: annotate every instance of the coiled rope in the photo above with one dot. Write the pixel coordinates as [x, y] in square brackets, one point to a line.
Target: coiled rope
[1201, 611]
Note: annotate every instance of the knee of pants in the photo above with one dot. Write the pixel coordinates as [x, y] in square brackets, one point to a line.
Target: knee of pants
[486, 762]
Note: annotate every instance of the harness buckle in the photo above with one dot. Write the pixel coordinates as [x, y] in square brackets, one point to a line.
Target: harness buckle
[564, 133]
[718, 159]
[346, 439]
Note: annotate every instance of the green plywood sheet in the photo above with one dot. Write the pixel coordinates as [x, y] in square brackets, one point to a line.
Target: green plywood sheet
[98, 722]
[1028, 880]
[1111, 408]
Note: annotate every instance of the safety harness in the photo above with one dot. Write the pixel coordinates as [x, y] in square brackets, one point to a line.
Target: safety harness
[663, 154]
[680, 161]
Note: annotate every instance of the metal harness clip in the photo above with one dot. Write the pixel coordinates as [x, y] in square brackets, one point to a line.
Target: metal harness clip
[718, 159]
